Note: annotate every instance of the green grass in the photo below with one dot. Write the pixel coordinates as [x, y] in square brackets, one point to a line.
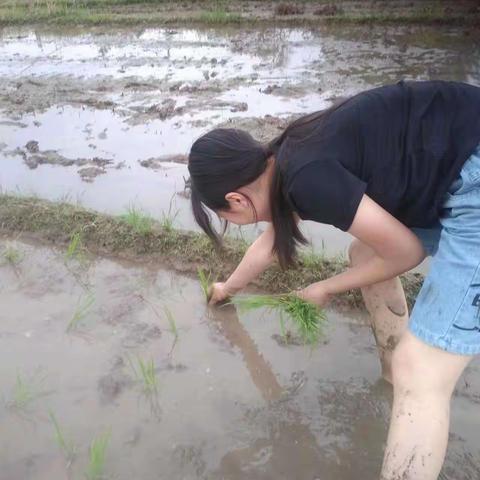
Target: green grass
[307, 318]
[74, 249]
[96, 461]
[138, 220]
[168, 219]
[82, 310]
[25, 392]
[171, 322]
[145, 373]
[220, 17]
[66, 445]
[12, 255]
[205, 282]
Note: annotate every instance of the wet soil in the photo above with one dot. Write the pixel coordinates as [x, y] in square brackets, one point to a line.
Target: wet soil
[232, 402]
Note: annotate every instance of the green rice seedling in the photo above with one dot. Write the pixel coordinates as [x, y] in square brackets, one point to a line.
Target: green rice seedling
[168, 218]
[25, 392]
[138, 220]
[96, 454]
[74, 247]
[144, 371]
[307, 317]
[171, 322]
[205, 282]
[12, 255]
[81, 311]
[66, 445]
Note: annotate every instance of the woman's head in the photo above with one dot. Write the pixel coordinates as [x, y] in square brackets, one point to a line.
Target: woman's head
[238, 178]
[241, 180]
[225, 165]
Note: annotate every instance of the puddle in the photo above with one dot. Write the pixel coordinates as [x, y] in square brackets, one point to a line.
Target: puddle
[100, 101]
[233, 402]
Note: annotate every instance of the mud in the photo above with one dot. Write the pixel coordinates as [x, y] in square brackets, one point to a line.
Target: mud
[234, 403]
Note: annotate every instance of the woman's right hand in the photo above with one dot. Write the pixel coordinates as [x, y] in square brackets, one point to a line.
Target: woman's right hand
[218, 293]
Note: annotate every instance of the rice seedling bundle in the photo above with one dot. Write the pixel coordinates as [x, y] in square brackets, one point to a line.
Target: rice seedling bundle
[307, 318]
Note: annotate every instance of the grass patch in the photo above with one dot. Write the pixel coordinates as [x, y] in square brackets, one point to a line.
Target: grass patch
[66, 445]
[96, 457]
[205, 282]
[222, 12]
[12, 255]
[82, 310]
[307, 318]
[185, 251]
[138, 220]
[145, 373]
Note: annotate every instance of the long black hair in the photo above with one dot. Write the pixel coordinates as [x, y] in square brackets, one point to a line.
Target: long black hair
[224, 159]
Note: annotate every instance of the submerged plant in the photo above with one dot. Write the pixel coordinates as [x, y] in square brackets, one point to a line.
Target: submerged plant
[307, 317]
[171, 322]
[144, 371]
[66, 445]
[138, 220]
[26, 391]
[96, 462]
[81, 311]
[205, 282]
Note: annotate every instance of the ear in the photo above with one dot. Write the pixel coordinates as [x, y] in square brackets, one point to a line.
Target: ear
[236, 200]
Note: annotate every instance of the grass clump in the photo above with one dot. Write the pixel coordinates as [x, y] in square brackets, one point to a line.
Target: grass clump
[74, 247]
[306, 317]
[205, 282]
[81, 311]
[218, 15]
[144, 372]
[12, 255]
[66, 445]
[138, 220]
[97, 452]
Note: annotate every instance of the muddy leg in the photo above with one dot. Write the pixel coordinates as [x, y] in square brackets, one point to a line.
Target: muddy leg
[387, 307]
[423, 381]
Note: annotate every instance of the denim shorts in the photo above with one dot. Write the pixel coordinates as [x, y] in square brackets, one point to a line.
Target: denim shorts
[447, 310]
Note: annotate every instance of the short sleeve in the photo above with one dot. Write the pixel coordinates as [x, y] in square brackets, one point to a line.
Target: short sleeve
[326, 192]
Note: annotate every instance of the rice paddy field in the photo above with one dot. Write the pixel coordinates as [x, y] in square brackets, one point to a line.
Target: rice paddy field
[112, 367]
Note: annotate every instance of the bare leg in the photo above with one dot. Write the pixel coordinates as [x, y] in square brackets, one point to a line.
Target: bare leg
[387, 307]
[423, 381]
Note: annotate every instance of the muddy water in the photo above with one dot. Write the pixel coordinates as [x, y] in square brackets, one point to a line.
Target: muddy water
[233, 401]
[97, 104]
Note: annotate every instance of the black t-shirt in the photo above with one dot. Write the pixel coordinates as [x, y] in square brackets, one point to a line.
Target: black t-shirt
[402, 145]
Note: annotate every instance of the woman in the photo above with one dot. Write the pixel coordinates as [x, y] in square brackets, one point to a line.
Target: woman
[398, 167]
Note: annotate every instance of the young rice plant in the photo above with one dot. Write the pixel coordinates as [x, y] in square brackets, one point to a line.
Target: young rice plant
[307, 317]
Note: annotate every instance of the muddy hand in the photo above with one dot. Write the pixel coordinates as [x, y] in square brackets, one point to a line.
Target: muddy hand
[315, 293]
[217, 293]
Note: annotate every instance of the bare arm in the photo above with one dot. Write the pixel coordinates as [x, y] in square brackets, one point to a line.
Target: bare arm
[397, 250]
[257, 259]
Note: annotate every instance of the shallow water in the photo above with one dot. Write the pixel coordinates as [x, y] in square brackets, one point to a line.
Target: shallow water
[233, 402]
[129, 95]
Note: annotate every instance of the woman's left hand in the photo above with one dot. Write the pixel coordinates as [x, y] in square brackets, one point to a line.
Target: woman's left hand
[316, 293]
